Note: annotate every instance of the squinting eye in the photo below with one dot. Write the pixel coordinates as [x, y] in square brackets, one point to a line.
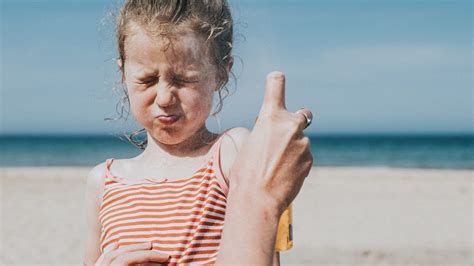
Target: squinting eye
[149, 81]
[181, 80]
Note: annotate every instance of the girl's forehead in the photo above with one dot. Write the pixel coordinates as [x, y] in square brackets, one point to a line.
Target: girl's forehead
[181, 49]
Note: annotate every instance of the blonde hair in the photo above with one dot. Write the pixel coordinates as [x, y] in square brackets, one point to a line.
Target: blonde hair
[208, 18]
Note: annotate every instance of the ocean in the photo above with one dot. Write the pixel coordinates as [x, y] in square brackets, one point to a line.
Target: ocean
[412, 151]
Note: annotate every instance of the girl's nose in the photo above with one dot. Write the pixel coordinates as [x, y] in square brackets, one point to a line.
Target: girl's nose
[164, 96]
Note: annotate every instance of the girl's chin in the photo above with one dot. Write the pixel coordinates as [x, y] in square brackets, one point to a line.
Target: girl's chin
[167, 139]
[169, 136]
[173, 135]
[168, 142]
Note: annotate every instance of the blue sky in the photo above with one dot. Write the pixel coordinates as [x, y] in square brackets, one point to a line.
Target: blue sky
[361, 66]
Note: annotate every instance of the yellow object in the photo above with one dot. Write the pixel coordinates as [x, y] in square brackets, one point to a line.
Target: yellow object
[284, 239]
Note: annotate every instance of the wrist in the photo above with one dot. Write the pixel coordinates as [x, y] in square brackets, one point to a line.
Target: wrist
[250, 199]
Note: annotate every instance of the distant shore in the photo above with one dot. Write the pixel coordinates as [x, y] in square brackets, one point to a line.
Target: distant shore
[404, 151]
[343, 215]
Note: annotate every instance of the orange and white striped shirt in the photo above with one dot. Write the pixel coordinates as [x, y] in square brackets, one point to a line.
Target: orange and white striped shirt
[183, 218]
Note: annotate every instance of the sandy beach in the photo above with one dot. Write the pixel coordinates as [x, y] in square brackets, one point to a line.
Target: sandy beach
[343, 216]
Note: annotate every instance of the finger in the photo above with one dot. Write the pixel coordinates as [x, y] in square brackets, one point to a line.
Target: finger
[274, 92]
[105, 257]
[135, 247]
[141, 256]
[305, 117]
[112, 255]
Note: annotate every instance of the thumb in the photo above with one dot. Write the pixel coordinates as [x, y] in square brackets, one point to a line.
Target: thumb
[274, 98]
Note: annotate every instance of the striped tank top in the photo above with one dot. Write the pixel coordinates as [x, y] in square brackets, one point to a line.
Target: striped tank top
[183, 218]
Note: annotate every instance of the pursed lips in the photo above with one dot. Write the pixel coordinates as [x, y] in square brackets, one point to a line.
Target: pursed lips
[168, 119]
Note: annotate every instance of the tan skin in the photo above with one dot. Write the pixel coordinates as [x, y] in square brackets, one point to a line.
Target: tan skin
[146, 64]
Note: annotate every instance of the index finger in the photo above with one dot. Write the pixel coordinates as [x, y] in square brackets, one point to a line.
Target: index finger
[274, 97]
[141, 256]
[134, 247]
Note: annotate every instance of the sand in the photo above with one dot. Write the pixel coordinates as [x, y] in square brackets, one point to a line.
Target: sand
[343, 216]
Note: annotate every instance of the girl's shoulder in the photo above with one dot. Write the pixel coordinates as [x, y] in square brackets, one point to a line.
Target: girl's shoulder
[234, 137]
[232, 140]
[94, 187]
[96, 174]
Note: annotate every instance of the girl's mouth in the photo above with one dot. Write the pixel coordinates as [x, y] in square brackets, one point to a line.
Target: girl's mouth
[167, 119]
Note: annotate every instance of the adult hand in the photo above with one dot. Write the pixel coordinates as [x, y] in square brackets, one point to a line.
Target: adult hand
[266, 176]
[276, 156]
[131, 255]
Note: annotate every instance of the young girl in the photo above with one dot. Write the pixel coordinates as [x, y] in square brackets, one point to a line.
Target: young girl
[174, 56]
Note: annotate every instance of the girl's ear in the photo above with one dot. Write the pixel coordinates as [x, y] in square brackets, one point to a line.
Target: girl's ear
[120, 66]
[228, 68]
[230, 64]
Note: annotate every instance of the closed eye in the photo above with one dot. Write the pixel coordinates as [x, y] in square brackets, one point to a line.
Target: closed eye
[149, 81]
[183, 80]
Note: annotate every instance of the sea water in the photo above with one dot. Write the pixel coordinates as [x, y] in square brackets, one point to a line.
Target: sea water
[445, 151]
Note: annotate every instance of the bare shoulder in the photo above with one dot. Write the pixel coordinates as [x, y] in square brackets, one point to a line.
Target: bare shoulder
[96, 174]
[235, 136]
[95, 182]
[231, 143]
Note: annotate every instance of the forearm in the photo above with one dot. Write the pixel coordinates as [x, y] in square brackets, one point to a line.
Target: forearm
[249, 231]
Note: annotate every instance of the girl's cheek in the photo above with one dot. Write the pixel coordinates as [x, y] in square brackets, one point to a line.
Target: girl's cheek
[142, 96]
[202, 106]
[195, 99]
[137, 105]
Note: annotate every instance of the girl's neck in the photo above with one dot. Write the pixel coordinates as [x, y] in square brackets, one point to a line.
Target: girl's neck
[191, 147]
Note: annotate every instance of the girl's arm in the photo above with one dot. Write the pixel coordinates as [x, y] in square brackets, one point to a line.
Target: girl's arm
[94, 188]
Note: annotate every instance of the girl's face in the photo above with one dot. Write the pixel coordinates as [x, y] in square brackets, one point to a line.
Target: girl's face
[170, 84]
